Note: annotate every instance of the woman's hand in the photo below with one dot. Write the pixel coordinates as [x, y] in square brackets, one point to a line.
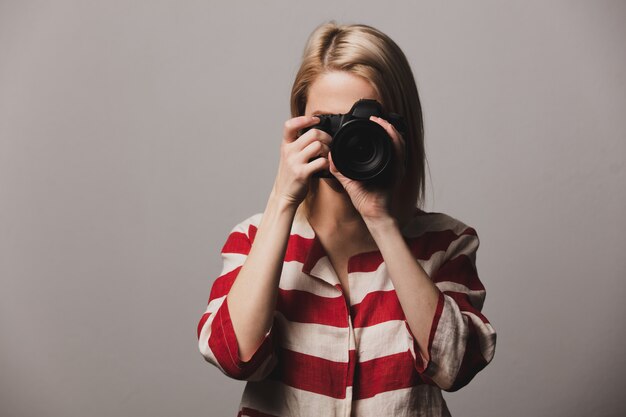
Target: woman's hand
[375, 203]
[294, 168]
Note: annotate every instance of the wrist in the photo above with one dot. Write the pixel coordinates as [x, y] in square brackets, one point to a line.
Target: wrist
[380, 224]
[281, 203]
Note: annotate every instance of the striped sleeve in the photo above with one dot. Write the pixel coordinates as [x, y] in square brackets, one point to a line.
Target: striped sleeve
[462, 341]
[216, 337]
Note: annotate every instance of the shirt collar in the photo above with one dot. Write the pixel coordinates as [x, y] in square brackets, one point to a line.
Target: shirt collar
[316, 261]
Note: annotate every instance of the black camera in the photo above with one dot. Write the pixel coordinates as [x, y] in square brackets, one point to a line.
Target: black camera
[362, 150]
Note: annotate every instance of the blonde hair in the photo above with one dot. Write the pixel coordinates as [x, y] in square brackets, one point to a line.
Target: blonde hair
[365, 51]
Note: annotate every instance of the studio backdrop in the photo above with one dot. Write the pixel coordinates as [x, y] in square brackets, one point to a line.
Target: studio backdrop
[135, 134]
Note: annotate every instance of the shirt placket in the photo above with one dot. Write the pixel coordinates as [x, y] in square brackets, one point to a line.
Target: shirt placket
[351, 349]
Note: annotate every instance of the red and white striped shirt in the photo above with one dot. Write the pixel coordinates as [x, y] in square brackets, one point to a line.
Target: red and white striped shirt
[326, 357]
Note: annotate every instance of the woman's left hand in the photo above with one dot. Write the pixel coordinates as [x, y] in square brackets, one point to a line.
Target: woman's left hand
[375, 202]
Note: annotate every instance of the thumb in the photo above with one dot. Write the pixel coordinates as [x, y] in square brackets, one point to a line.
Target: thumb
[333, 170]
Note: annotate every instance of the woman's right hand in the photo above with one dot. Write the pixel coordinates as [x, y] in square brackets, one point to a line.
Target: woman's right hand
[294, 168]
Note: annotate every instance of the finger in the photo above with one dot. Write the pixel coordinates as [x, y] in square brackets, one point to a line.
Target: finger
[396, 137]
[293, 125]
[389, 128]
[333, 169]
[314, 149]
[318, 164]
[310, 136]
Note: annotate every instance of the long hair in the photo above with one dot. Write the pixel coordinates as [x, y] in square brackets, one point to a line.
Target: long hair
[367, 52]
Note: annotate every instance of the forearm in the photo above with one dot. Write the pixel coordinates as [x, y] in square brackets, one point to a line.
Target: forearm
[252, 297]
[416, 292]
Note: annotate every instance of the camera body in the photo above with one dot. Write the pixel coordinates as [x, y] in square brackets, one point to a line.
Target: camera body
[362, 149]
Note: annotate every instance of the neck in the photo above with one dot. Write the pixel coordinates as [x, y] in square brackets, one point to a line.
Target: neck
[332, 209]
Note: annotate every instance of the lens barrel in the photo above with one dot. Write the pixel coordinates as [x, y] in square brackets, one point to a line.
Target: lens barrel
[362, 150]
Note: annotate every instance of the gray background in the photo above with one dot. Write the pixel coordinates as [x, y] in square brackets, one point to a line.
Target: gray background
[135, 134]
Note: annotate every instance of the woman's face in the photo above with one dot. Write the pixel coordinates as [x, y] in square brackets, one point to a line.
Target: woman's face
[335, 92]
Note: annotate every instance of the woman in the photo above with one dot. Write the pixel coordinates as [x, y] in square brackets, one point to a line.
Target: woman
[342, 298]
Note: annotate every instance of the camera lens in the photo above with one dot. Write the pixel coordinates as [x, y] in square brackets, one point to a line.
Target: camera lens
[361, 149]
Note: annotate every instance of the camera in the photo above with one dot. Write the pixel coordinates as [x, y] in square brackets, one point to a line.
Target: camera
[362, 150]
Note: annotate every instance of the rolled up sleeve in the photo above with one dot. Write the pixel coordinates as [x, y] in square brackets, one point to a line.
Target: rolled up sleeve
[462, 340]
[217, 341]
